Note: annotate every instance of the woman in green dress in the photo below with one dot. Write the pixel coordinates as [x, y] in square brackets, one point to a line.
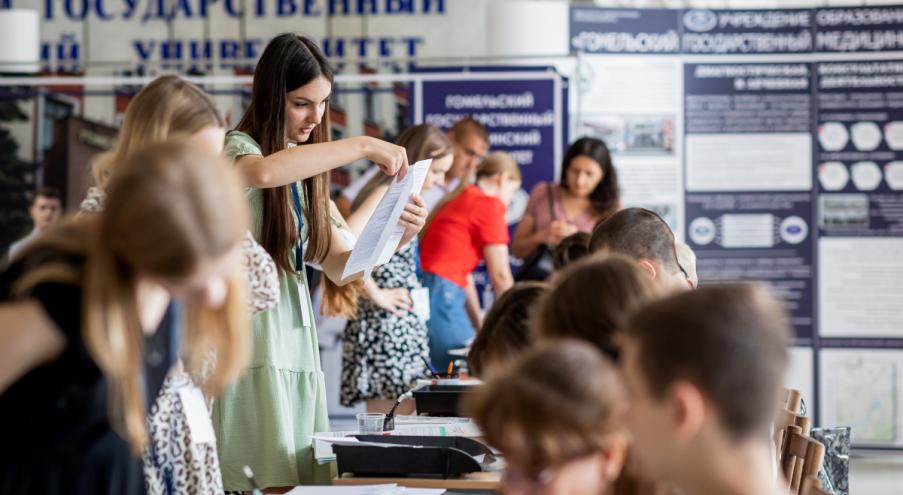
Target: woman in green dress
[281, 147]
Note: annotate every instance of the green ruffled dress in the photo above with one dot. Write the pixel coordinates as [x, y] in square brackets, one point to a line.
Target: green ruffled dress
[266, 418]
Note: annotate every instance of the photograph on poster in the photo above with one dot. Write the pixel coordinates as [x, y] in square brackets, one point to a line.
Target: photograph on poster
[861, 388]
[843, 210]
[631, 134]
[859, 289]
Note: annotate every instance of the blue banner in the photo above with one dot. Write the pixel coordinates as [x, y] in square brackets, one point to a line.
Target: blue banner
[633, 31]
[859, 29]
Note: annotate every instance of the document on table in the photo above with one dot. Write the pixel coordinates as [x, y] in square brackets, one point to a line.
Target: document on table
[388, 489]
[381, 235]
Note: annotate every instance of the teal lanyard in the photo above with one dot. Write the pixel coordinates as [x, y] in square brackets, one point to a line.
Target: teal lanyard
[299, 249]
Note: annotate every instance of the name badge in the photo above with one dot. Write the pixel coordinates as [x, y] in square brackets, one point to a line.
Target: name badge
[197, 415]
[421, 302]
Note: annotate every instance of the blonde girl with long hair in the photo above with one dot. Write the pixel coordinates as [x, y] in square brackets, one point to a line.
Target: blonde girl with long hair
[466, 227]
[171, 107]
[82, 302]
[384, 344]
[282, 148]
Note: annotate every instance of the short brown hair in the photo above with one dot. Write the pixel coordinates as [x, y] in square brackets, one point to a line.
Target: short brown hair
[469, 125]
[639, 234]
[559, 403]
[728, 340]
[570, 249]
[45, 192]
[504, 335]
[592, 300]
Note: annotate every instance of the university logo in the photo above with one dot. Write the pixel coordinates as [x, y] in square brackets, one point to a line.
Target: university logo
[700, 20]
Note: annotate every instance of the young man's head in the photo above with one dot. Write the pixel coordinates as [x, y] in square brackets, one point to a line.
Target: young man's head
[46, 207]
[471, 140]
[642, 235]
[704, 370]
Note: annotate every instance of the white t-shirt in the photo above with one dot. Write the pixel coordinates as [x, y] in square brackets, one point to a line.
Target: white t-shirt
[21, 244]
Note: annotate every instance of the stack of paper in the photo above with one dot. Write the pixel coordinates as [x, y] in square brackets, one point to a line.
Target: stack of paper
[389, 489]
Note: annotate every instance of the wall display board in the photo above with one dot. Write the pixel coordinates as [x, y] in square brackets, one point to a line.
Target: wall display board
[772, 141]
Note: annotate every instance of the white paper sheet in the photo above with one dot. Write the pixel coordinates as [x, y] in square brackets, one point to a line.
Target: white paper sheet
[859, 290]
[391, 489]
[382, 233]
[749, 162]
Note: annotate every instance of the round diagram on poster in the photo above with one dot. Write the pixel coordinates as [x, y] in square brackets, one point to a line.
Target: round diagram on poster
[866, 175]
[866, 135]
[794, 230]
[702, 230]
[833, 176]
[893, 134]
[893, 175]
[833, 136]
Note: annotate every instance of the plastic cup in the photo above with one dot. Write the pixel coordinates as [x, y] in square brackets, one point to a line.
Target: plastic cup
[368, 423]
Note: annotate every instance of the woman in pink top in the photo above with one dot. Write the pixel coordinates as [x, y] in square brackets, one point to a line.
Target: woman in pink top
[587, 193]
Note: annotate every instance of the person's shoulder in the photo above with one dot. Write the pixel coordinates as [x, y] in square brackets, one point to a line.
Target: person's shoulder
[542, 187]
[239, 143]
[486, 204]
[541, 190]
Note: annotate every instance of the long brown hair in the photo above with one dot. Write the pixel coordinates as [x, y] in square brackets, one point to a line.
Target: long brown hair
[606, 196]
[558, 403]
[288, 62]
[169, 208]
[592, 300]
[167, 108]
[420, 142]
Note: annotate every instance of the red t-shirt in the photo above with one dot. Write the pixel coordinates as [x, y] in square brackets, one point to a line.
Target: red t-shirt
[453, 245]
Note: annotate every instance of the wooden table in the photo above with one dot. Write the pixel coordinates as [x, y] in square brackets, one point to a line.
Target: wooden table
[474, 481]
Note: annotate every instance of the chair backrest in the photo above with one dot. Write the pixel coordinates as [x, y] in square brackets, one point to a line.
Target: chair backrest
[793, 400]
[801, 457]
[813, 486]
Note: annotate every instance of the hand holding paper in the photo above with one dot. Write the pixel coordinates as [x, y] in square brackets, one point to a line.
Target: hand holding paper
[385, 229]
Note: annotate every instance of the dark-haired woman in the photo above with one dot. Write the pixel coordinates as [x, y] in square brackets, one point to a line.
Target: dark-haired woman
[281, 147]
[586, 194]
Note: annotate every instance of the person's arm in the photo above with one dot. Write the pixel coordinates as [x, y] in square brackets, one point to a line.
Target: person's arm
[526, 239]
[392, 300]
[301, 162]
[498, 267]
[472, 304]
[30, 339]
